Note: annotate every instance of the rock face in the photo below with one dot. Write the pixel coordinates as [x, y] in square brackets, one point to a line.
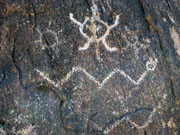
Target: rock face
[82, 67]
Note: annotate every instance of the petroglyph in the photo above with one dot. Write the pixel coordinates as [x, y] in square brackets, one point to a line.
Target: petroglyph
[93, 28]
[133, 43]
[150, 66]
[28, 130]
[134, 124]
[41, 37]
[47, 78]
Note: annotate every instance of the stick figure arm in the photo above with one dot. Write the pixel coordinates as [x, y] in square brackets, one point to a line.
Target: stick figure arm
[74, 20]
[84, 34]
[115, 23]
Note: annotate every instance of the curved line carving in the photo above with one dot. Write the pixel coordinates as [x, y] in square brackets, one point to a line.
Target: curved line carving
[134, 124]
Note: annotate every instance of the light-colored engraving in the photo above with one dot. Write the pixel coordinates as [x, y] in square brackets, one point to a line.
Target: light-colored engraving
[2, 132]
[150, 66]
[134, 124]
[28, 130]
[134, 44]
[44, 76]
[93, 28]
[41, 34]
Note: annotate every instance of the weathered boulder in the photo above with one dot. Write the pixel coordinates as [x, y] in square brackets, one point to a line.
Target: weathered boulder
[82, 67]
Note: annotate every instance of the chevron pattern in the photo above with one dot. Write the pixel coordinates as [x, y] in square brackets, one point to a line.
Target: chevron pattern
[150, 66]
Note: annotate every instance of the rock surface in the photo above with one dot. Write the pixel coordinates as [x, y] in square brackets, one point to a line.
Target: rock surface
[82, 67]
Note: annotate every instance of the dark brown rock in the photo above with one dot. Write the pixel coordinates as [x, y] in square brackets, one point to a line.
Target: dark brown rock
[90, 67]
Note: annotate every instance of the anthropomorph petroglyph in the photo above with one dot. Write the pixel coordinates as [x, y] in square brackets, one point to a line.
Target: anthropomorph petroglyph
[133, 43]
[93, 29]
[150, 66]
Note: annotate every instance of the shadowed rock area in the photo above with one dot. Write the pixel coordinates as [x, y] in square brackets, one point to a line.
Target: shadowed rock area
[89, 67]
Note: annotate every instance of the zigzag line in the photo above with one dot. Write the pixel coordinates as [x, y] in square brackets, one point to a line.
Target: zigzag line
[107, 130]
[150, 65]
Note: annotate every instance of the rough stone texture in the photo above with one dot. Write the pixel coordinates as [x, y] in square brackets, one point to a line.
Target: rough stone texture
[118, 73]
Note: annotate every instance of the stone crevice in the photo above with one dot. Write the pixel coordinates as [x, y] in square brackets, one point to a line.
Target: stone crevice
[20, 74]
